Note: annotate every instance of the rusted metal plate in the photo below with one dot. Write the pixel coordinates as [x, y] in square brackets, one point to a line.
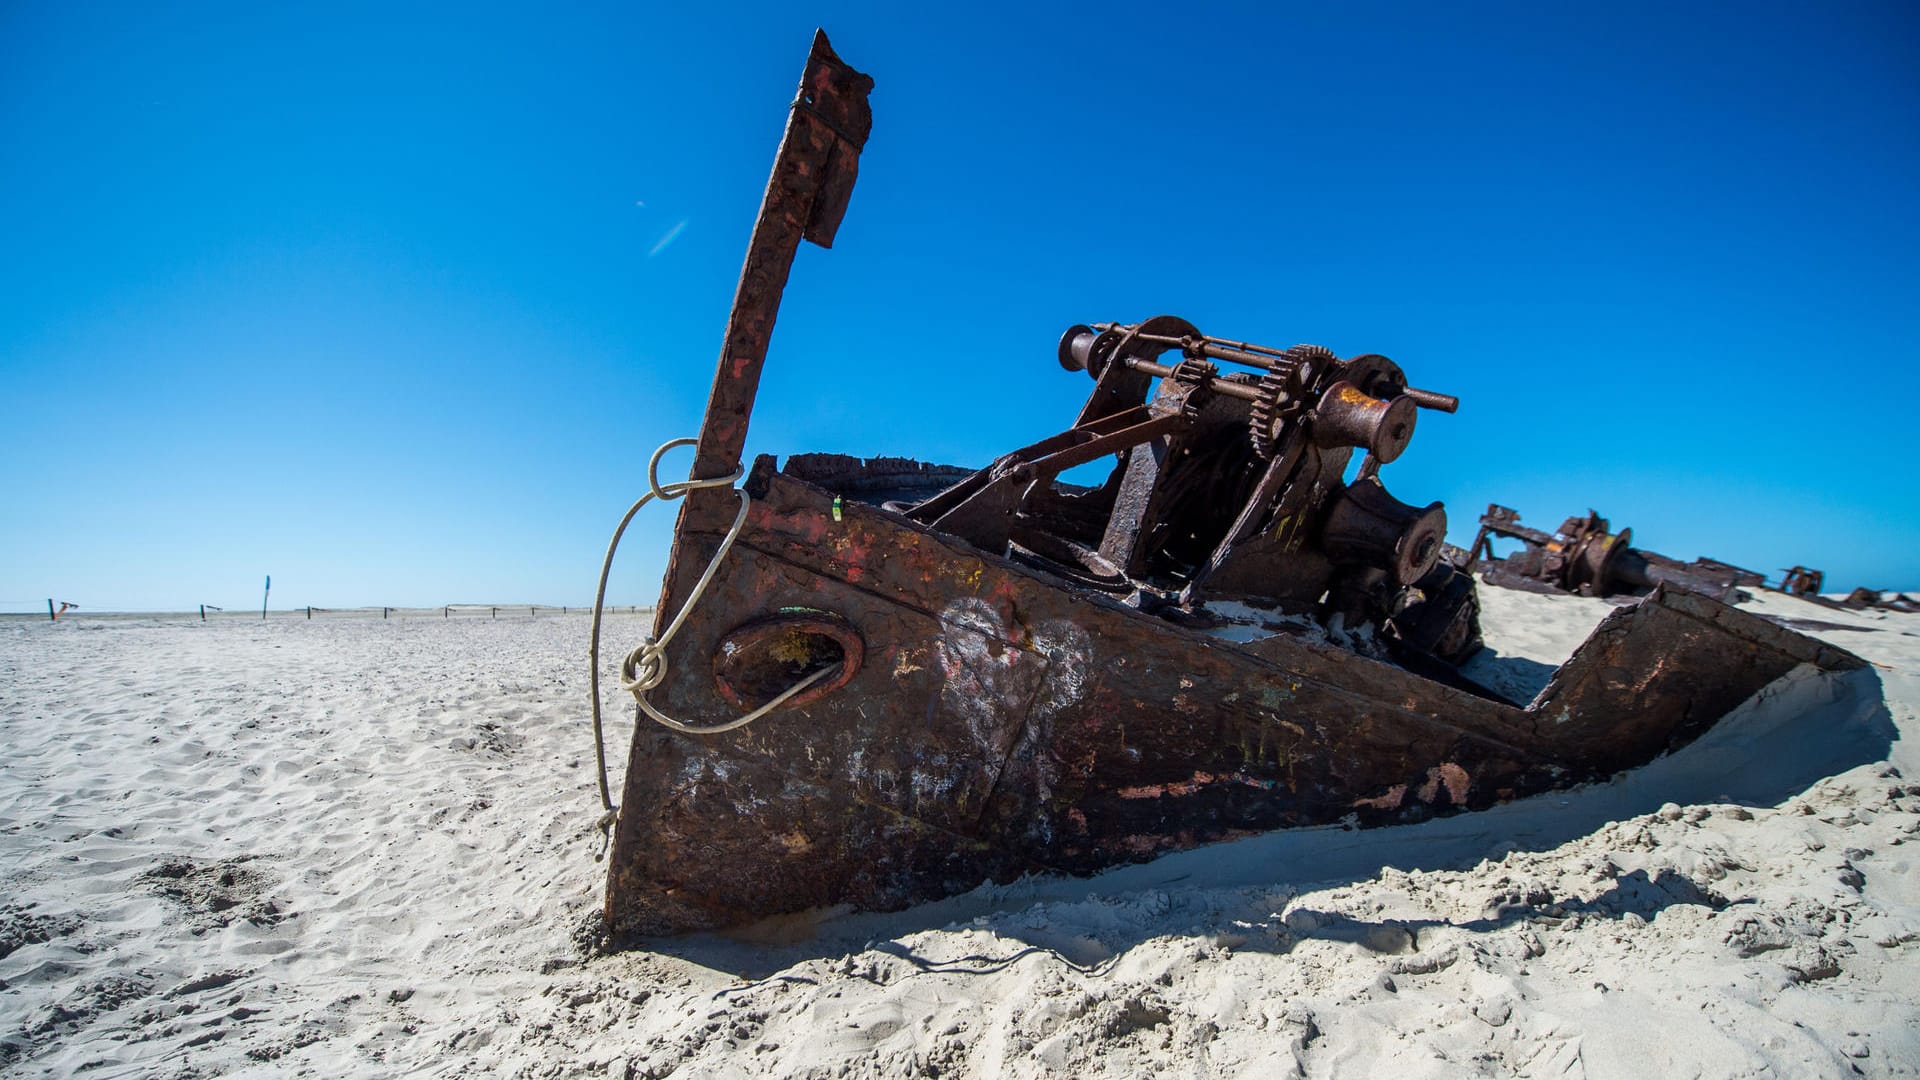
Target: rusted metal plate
[813, 177]
[998, 725]
[1654, 675]
[1002, 724]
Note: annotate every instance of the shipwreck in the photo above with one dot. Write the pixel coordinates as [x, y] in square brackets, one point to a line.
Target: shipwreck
[875, 682]
[1587, 557]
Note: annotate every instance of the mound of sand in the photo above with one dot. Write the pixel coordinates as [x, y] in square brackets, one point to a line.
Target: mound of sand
[366, 848]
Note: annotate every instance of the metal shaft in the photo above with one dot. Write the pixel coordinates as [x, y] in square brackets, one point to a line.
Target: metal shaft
[1220, 386]
[1253, 356]
[1428, 399]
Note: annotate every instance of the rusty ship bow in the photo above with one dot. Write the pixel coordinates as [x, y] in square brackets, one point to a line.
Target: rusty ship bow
[1010, 674]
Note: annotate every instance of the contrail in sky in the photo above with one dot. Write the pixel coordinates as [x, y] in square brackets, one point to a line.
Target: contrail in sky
[672, 235]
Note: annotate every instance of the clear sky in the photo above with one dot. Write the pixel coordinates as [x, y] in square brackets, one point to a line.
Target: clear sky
[394, 306]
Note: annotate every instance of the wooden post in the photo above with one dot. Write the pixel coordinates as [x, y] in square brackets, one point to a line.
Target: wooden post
[383, 611]
[203, 613]
[447, 612]
[496, 613]
[264, 595]
[51, 617]
[309, 612]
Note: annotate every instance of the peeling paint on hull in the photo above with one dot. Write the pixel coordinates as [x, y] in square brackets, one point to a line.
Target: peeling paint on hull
[1023, 726]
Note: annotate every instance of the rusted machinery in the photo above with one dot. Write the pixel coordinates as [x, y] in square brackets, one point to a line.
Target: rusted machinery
[1585, 556]
[1873, 598]
[1226, 487]
[874, 683]
[1801, 581]
[1806, 584]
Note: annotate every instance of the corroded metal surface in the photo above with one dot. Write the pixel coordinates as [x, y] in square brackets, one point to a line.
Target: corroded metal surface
[1873, 598]
[1002, 723]
[1259, 486]
[813, 177]
[1014, 674]
[1802, 581]
[1585, 556]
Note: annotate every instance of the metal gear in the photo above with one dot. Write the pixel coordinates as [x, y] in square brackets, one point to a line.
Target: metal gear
[1194, 372]
[1197, 377]
[1280, 386]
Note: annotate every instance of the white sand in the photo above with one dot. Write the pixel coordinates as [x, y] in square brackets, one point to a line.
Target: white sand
[366, 847]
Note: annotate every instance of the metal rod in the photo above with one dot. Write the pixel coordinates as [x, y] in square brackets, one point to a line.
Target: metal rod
[1254, 356]
[1220, 386]
[1240, 356]
[1428, 399]
[1204, 340]
[1100, 446]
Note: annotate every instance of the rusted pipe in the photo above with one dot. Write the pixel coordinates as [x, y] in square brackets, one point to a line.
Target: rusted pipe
[1428, 399]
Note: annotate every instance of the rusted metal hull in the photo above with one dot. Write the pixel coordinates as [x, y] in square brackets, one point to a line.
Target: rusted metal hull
[1001, 723]
[985, 673]
[982, 674]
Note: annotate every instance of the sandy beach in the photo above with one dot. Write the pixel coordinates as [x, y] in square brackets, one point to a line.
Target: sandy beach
[367, 847]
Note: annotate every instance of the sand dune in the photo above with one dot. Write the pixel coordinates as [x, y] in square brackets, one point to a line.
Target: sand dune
[366, 847]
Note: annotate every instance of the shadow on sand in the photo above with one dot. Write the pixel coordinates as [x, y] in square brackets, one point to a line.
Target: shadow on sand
[1516, 678]
[1804, 727]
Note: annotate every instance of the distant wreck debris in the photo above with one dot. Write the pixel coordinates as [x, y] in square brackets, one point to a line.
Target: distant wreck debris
[1801, 581]
[1874, 598]
[1585, 556]
[875, 682]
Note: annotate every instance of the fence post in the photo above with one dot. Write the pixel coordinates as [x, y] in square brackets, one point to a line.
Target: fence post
[447, 612]
[203, 613]
[51, 617]
[383, 611]
[309, 612]
[496, 613]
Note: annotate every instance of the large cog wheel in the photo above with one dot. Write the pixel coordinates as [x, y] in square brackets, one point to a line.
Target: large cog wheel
[1282, 388]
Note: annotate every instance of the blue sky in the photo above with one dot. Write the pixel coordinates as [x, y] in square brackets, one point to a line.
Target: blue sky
[395, 306]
